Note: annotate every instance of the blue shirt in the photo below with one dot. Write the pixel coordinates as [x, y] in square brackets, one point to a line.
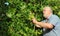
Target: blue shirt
[54, 20]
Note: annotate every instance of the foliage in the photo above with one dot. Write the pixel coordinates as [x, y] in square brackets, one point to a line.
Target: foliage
[16, 18]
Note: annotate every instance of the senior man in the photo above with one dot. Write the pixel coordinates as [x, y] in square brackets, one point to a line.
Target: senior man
[51, 25]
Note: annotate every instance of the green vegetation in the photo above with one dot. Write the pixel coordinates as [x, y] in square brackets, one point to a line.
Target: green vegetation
[16, 16]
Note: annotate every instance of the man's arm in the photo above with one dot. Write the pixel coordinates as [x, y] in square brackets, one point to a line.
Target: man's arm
[38, 26]
[43, 25]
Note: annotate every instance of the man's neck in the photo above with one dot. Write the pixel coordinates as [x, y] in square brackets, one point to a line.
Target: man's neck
[49, 16]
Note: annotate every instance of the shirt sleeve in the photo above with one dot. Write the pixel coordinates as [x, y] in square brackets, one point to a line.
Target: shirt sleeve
[54, 20]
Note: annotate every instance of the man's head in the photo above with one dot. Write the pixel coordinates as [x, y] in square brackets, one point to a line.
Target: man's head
[47, 11]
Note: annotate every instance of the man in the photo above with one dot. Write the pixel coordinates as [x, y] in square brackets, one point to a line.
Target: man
[51, 25]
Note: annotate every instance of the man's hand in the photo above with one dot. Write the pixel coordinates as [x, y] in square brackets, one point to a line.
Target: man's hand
[38, 26]
[34, 20]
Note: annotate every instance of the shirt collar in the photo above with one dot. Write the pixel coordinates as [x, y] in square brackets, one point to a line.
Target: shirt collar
[50, 16]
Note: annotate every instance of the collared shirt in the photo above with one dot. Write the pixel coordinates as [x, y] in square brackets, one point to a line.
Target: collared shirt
[54, 20]
[50, 16]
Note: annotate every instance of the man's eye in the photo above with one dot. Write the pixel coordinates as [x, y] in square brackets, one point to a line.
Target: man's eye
[44, 10]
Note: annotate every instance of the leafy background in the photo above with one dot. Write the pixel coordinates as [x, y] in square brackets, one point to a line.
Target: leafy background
[16, 16]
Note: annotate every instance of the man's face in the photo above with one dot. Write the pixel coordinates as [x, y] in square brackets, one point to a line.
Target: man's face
[46, 12]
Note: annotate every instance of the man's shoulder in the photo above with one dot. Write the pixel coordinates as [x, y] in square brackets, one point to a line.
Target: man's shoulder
[55, 16]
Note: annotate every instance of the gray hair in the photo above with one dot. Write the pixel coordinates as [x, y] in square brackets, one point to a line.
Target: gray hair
[48, 8]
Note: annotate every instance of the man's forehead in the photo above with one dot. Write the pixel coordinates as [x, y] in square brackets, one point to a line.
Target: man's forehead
[46, 8]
